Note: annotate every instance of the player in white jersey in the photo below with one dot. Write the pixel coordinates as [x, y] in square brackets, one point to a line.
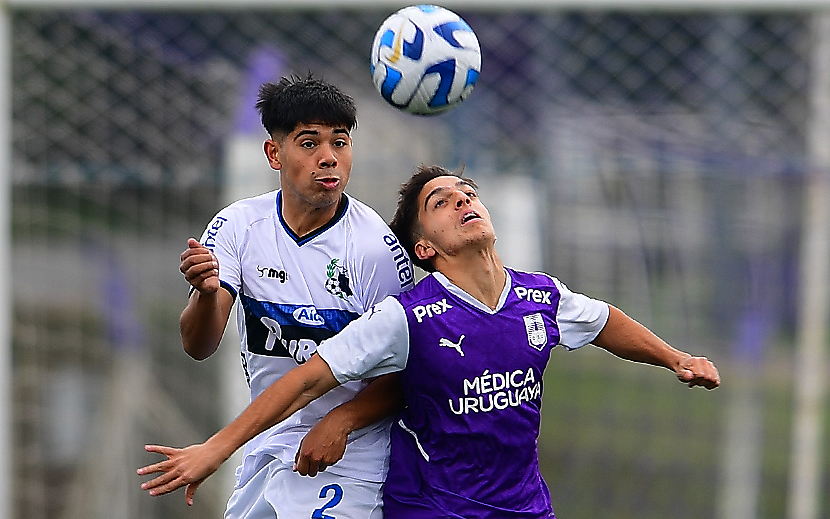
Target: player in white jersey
[302, 262]
[472, 341]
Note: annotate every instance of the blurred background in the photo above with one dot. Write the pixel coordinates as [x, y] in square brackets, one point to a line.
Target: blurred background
[672, 161]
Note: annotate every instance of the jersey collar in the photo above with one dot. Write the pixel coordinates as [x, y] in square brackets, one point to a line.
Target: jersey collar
[463, 295]
[341, 210]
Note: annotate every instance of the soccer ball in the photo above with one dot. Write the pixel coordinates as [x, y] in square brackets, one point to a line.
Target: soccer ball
[425, 59]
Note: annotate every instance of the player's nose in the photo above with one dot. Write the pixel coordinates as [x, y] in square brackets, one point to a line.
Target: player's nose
[327, 157]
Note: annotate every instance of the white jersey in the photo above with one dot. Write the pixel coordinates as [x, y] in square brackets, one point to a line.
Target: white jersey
[294, 292]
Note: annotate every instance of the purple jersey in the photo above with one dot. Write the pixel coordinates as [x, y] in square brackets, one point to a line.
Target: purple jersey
[466, 444]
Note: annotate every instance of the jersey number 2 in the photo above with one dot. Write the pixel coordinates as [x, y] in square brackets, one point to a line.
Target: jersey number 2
[334, 501]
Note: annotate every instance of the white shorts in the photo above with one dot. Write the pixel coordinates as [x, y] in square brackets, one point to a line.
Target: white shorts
[276, 491]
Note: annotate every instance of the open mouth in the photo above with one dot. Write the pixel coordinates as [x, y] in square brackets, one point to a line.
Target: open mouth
[468, 217]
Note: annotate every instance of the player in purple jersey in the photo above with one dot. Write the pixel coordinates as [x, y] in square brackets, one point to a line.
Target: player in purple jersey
[471, 341]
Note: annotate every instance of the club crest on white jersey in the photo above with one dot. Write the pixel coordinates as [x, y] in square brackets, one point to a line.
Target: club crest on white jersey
[338, 282]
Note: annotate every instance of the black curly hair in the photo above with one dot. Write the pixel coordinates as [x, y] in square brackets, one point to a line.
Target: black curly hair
[295, 100]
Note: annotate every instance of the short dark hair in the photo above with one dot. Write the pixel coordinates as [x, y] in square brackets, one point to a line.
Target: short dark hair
[295, 100]
[405, 223]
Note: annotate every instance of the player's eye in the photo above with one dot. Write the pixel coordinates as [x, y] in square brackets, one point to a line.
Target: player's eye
[307, 144]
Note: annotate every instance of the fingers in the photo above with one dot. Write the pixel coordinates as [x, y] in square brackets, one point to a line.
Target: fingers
[174, 473]
[166, 482]
[199, 265]
[200, 272]
[194, 247]
[163, 484]
[321, 448]
[307, 464]
[151, 469]
[190, 491]
[161, 449]
[160, 466]
[699, 371]
[307, 467]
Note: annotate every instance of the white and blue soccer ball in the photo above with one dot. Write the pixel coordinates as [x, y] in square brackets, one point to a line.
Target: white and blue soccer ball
[425, 59]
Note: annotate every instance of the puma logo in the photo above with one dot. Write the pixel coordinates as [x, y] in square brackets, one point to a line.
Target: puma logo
[449, 344]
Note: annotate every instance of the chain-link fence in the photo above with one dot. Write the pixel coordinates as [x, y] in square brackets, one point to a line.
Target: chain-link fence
[656, 161]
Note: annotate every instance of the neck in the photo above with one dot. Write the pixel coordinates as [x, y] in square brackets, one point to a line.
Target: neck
[304, 218]
[480, 273]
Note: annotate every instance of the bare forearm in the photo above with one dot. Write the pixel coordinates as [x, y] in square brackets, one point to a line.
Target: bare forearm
[325, 444]
[628, 339]
[382, 398]
[192, 465]
[280, 400]
[203, 322]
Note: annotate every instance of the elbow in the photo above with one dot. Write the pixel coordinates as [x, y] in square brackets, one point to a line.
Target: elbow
[198, 352]
[196, 356]
[196, 343]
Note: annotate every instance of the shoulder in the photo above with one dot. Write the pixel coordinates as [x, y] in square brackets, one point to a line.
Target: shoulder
[536, 279]
[243, 213]
[265, 203]
[247, 210]
[368, 234]
[232, 222]
[362, 217]
[426, 290]
[540, 286]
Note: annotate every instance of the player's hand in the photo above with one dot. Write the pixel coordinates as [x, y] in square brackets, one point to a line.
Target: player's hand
[322, 447]
[183, 467]
[200, 267]
[698, 371]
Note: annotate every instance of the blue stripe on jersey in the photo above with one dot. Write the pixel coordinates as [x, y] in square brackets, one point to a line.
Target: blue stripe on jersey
[229, 288]
[226, 286]
[283, 330]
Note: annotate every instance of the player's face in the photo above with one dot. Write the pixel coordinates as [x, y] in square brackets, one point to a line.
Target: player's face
[315, 162]
[452, 218]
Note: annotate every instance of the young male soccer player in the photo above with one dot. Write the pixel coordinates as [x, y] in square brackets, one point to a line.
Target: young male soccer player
[303, 262]
[472, 341]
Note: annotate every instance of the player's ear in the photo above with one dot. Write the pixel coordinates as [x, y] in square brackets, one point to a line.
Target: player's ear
[423, 250]
[272, 152]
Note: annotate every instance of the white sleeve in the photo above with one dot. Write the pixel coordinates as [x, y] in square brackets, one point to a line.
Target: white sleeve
[374, 344]
[580, 318]
[221, 238]
[383, 268]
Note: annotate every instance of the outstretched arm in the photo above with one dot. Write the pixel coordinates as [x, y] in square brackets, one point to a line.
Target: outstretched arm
[325, 443]
[192, 465]
[628, 339]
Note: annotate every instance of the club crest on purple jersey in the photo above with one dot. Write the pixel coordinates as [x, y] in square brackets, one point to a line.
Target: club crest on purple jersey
[537, 336]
